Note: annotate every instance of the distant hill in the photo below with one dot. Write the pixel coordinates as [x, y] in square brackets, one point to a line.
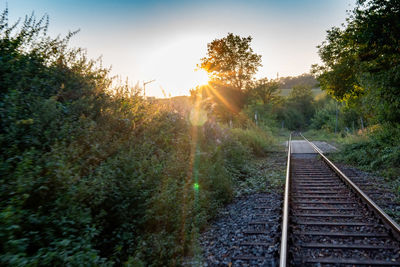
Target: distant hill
[315, 91]
[303, 79]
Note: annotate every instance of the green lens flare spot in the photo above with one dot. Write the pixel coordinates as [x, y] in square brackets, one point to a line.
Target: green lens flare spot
[196, 186]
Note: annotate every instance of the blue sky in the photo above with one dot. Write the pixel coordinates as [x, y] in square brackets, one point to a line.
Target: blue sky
[164, 40]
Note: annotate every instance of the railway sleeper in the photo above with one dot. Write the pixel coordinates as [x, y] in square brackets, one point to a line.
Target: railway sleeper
[351, 262]
[347, 246]
[322, 223]
[326, 208]
[323, 192]
[321, 197]
[296, 187]
[341, 234]
[325, 202]
[327, 215]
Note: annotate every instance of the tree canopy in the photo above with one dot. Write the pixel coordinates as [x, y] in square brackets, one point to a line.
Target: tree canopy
[361, 61]
[231, 61]
[265, 90]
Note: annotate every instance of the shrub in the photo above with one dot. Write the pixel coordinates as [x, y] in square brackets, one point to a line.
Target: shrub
[91, 174]
[257, 140]
[378, 149]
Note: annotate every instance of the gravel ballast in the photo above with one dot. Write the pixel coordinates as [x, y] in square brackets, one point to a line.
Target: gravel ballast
[222, 242]
[376, 187]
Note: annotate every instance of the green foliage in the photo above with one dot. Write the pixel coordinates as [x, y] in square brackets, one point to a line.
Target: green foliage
[298, 109]
[257, 140]
[266, 115]
[231, 61]
[91, 174]
[222, 102]
[361, 61]
[334, 116]
[377, 149]
[264, 90]
[264, 175]
[231, 64]
[325, 118]
[327, 136]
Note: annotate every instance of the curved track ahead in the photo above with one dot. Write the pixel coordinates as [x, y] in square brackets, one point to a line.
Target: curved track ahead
[329, 220]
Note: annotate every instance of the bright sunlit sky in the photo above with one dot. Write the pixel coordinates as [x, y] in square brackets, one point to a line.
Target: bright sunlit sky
[164, 40]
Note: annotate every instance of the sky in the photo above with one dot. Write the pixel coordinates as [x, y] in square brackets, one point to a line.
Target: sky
[164, 40]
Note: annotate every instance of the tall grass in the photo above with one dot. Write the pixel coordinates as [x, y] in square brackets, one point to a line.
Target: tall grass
[259, 141]
[375, 149]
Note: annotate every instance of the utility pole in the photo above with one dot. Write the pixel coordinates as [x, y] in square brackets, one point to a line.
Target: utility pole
[144, 86]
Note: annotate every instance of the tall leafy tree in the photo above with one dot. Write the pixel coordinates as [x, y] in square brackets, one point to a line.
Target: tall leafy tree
[362, 60]
[265, 90]
[231, 61]
[298, 109]
[302, 100]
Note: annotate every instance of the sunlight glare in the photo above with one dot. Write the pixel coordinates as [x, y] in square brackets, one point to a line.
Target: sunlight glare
[198, 116]
[201, 77]
[173, 66]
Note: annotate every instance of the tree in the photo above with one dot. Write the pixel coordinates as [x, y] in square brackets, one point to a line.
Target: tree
[362, 60]
[299, 108]
[221, 101]
[231, 61]
[302, 100]
[338, 74]
[265, 90]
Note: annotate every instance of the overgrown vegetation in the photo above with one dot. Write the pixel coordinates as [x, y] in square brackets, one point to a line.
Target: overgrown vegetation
[265, 175]
[375, 149]
[92, 173]
[361, 70]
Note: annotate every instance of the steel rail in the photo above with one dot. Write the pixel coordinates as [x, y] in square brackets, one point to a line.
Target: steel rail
[386, 218]
[285, 215]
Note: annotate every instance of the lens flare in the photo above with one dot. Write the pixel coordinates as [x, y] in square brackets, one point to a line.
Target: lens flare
[196, 186]
[201, 77]
[197, 116]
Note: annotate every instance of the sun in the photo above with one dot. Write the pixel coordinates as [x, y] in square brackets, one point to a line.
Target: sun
[201, 77]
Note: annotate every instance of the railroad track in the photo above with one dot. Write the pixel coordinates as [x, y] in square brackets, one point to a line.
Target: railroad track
[328, 221]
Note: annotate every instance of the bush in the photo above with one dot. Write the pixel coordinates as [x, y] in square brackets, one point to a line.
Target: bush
[257, 140]
[377, 149]
[91, 174]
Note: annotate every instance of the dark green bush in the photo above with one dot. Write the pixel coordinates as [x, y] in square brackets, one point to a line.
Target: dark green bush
[378, 151]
